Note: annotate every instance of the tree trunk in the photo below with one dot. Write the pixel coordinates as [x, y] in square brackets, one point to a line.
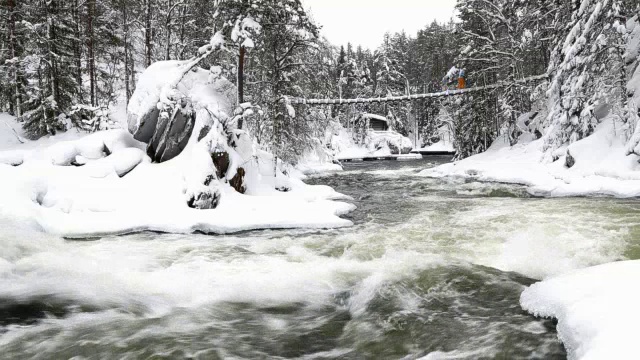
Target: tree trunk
[147, 34]
[182, 21]
[168, 26]
[77, 48]
[13, 45]
[125, 29]
[90, 51]
[53, 51]
[241, 80]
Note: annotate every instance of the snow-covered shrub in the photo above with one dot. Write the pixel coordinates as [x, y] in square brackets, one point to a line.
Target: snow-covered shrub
[91, 118]
[43, 117]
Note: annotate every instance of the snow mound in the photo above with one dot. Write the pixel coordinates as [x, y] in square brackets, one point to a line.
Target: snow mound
[595, 308]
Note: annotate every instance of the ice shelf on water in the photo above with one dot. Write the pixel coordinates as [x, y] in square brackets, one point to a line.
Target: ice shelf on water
[595, 308]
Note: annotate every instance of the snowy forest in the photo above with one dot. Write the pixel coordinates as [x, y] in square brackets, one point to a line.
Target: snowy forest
[66, 62]
[216, 179]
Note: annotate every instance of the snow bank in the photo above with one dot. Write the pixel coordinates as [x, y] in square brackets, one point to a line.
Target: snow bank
[601, 166]
[373, 143]
[595, 308]
[80, 185]
[117, 190]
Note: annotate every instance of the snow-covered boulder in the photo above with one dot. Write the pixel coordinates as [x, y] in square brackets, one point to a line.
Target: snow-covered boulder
[143, 110]
[161, 111]
[395, 142]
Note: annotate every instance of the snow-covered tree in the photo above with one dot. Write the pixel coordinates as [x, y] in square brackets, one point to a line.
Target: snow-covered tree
[580, 66]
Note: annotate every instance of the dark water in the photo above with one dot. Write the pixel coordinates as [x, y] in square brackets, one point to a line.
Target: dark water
[432, 269]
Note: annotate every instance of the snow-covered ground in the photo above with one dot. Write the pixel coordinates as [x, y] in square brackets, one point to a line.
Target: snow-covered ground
[123, 192]
[77, 184]
[601, 166]
[446, 135]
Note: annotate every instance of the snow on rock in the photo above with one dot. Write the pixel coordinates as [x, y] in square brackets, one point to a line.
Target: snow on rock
[595, 308]
[391, 140]
[371, 144]
[143, 109]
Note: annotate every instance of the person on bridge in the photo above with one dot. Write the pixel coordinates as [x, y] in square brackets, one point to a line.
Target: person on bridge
[461, 80]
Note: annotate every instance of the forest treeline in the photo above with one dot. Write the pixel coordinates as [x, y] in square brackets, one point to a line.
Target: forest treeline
[64, 62]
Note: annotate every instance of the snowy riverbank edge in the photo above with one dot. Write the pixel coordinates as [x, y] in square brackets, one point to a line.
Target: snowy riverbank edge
[600, 166]
[594, 306]
[118, 191]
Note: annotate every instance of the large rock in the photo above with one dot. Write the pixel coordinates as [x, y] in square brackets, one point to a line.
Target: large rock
[159, 112]
[143, 131]
[173, 130]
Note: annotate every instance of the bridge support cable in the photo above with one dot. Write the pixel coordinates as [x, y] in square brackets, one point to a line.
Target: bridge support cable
[415, 96]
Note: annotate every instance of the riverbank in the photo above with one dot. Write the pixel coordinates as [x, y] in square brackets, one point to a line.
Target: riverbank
[598, 165]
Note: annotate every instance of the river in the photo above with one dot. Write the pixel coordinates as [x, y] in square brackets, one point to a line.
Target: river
[433, 269]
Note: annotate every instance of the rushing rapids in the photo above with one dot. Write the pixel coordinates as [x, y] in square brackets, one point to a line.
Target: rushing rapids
[433, 268]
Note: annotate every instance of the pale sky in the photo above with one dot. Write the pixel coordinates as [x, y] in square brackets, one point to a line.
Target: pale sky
[364, 22]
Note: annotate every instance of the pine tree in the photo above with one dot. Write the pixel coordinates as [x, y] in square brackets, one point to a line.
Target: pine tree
[578, 66]
[51, 86]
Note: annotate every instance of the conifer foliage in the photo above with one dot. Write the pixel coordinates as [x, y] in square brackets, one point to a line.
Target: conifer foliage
[65, 63]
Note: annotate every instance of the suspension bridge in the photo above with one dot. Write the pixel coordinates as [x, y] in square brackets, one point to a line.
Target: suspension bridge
[457, 92]
[441, 94]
